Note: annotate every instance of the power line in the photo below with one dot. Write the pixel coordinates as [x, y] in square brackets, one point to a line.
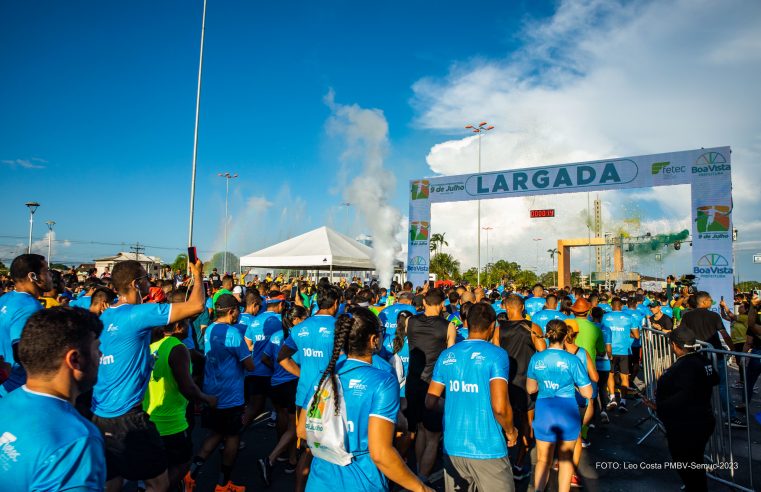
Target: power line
[137, 249]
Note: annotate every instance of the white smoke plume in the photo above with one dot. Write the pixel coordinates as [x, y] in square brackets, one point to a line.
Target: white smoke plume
[370, 185]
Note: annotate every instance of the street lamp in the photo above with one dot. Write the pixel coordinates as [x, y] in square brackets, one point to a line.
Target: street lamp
[32, 209]
[347, 205]
[487, 229]
[50, 224]
[227, 177]
[536, 240]
[479, 129]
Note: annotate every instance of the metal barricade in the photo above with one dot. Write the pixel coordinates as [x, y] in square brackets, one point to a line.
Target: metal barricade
[731, 454]
[657, 356]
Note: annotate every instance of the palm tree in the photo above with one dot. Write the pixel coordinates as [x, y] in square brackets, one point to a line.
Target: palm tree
[438, 242]
[552, 253]
[445, 266]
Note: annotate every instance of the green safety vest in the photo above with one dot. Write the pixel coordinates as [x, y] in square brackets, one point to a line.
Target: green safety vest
[163, 401]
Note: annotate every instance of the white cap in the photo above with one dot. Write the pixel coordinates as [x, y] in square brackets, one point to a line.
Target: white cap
[237, 289]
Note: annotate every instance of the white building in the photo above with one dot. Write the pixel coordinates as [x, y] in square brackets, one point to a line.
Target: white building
[152, 264]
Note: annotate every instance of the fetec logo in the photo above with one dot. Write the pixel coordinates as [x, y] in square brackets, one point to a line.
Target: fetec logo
[710, 164]
[713, 218]
[419, 230]
[420, 189]
[667, 168]
[712, 265]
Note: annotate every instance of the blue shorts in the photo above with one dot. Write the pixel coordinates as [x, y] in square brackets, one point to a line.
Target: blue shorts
[557, 419]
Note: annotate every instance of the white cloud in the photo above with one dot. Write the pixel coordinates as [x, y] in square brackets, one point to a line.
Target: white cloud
[601, 79]
[33, 163]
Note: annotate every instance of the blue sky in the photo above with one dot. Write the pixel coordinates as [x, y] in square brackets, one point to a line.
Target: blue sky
[97, 103]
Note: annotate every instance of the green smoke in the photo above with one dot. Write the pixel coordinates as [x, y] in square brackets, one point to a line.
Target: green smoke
[656, 244]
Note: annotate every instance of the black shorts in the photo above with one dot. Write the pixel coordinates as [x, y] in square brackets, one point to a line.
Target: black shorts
[620, 364]
[634, 356]
[256, 386]
[225, 421]
[134, 449]
[416, 411]
[179, 448]
[519, 399]
[284, 395]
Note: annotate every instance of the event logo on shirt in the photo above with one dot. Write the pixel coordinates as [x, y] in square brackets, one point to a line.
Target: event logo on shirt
[356, 384]
[323, 331]
[562, 365]
[711, 164]
[9, 451]
[112, 329]
[540, 366]
[451, 359]
[712, 265]
[713, 221]
[420, 189]
[477, 356]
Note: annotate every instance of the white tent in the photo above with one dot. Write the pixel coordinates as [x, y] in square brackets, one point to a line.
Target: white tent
[320, 249]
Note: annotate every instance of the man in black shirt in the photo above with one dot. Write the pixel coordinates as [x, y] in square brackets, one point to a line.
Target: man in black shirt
[754, 332]
[658, 320]
[427, 338]
[683, 404]
[708, 327]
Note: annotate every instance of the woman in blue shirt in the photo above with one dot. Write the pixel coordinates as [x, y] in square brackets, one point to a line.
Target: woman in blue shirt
[555, 374]
[283, 395]
[401, 362]
[371, 400]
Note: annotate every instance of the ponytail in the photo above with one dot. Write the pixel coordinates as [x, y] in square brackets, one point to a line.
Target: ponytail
[401, 330]
[341, 333]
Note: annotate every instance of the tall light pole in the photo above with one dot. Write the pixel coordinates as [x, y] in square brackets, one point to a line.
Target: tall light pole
[32, 209]
[487, 229]
[195, 133]
[536, 241]
[348, 221]
[50, 224]
[227, 177]
[479, 129]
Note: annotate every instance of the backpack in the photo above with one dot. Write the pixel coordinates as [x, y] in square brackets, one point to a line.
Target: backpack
[326, 431]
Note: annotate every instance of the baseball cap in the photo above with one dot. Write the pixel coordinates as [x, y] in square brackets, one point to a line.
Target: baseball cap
[682, 336]
[226, 301]
[238, 290]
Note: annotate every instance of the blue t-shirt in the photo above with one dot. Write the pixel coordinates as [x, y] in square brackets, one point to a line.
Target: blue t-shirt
[15, 309]
[605, 307]
[556, 373]
[224, 372]
[544, 316]
[602, 363]
[638, 319]
[668, 311]
[621, 326]
[45, 444]
[271, 350]
[404, 357]
[533, 305]
[259, 329]
[389, 317]
[466, 370]
[368, 392]
[313, 339]
[126, 363]
[83, 302]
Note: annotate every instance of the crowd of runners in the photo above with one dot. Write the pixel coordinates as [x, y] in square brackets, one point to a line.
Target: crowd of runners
[366, 388]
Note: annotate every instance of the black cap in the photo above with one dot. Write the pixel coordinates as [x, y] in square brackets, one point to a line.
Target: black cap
[682, 336]
[226, 301]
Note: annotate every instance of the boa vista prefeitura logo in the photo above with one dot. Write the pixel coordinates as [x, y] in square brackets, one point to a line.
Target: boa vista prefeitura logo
[418, 264]
[419, 230]
[711, 164]
[420, 189]
[713, 265]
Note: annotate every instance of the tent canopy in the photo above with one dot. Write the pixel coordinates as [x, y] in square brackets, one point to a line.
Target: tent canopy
[320, 249]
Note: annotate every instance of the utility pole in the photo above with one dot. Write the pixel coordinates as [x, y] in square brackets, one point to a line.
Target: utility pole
[137, 249]
[479, 129]
[50, 224]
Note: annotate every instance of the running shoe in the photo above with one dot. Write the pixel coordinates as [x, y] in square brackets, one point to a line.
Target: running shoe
[611, 405]
[281, 459]
[623, 409]
[188, 484]
[576, 482]
[604, 419]
[519, 473]
[738, 423]
[555, 465]
[289, 468]
[265, 470]
[585, 443]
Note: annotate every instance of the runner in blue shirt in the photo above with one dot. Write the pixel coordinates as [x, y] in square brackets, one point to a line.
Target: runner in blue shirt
[623, 332]
[312, 342]
[227, 360]
[134, 449]
[371, 402]
[283, 395]
[390, 314]
[638, 319]
[477, 408]
[45, 444]
[548, 313]
[32, 277]
[555, 374]
[260, 326]
[535, 303]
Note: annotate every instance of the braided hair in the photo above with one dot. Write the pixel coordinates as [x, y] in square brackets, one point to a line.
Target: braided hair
[401, 330]
[352, 336]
